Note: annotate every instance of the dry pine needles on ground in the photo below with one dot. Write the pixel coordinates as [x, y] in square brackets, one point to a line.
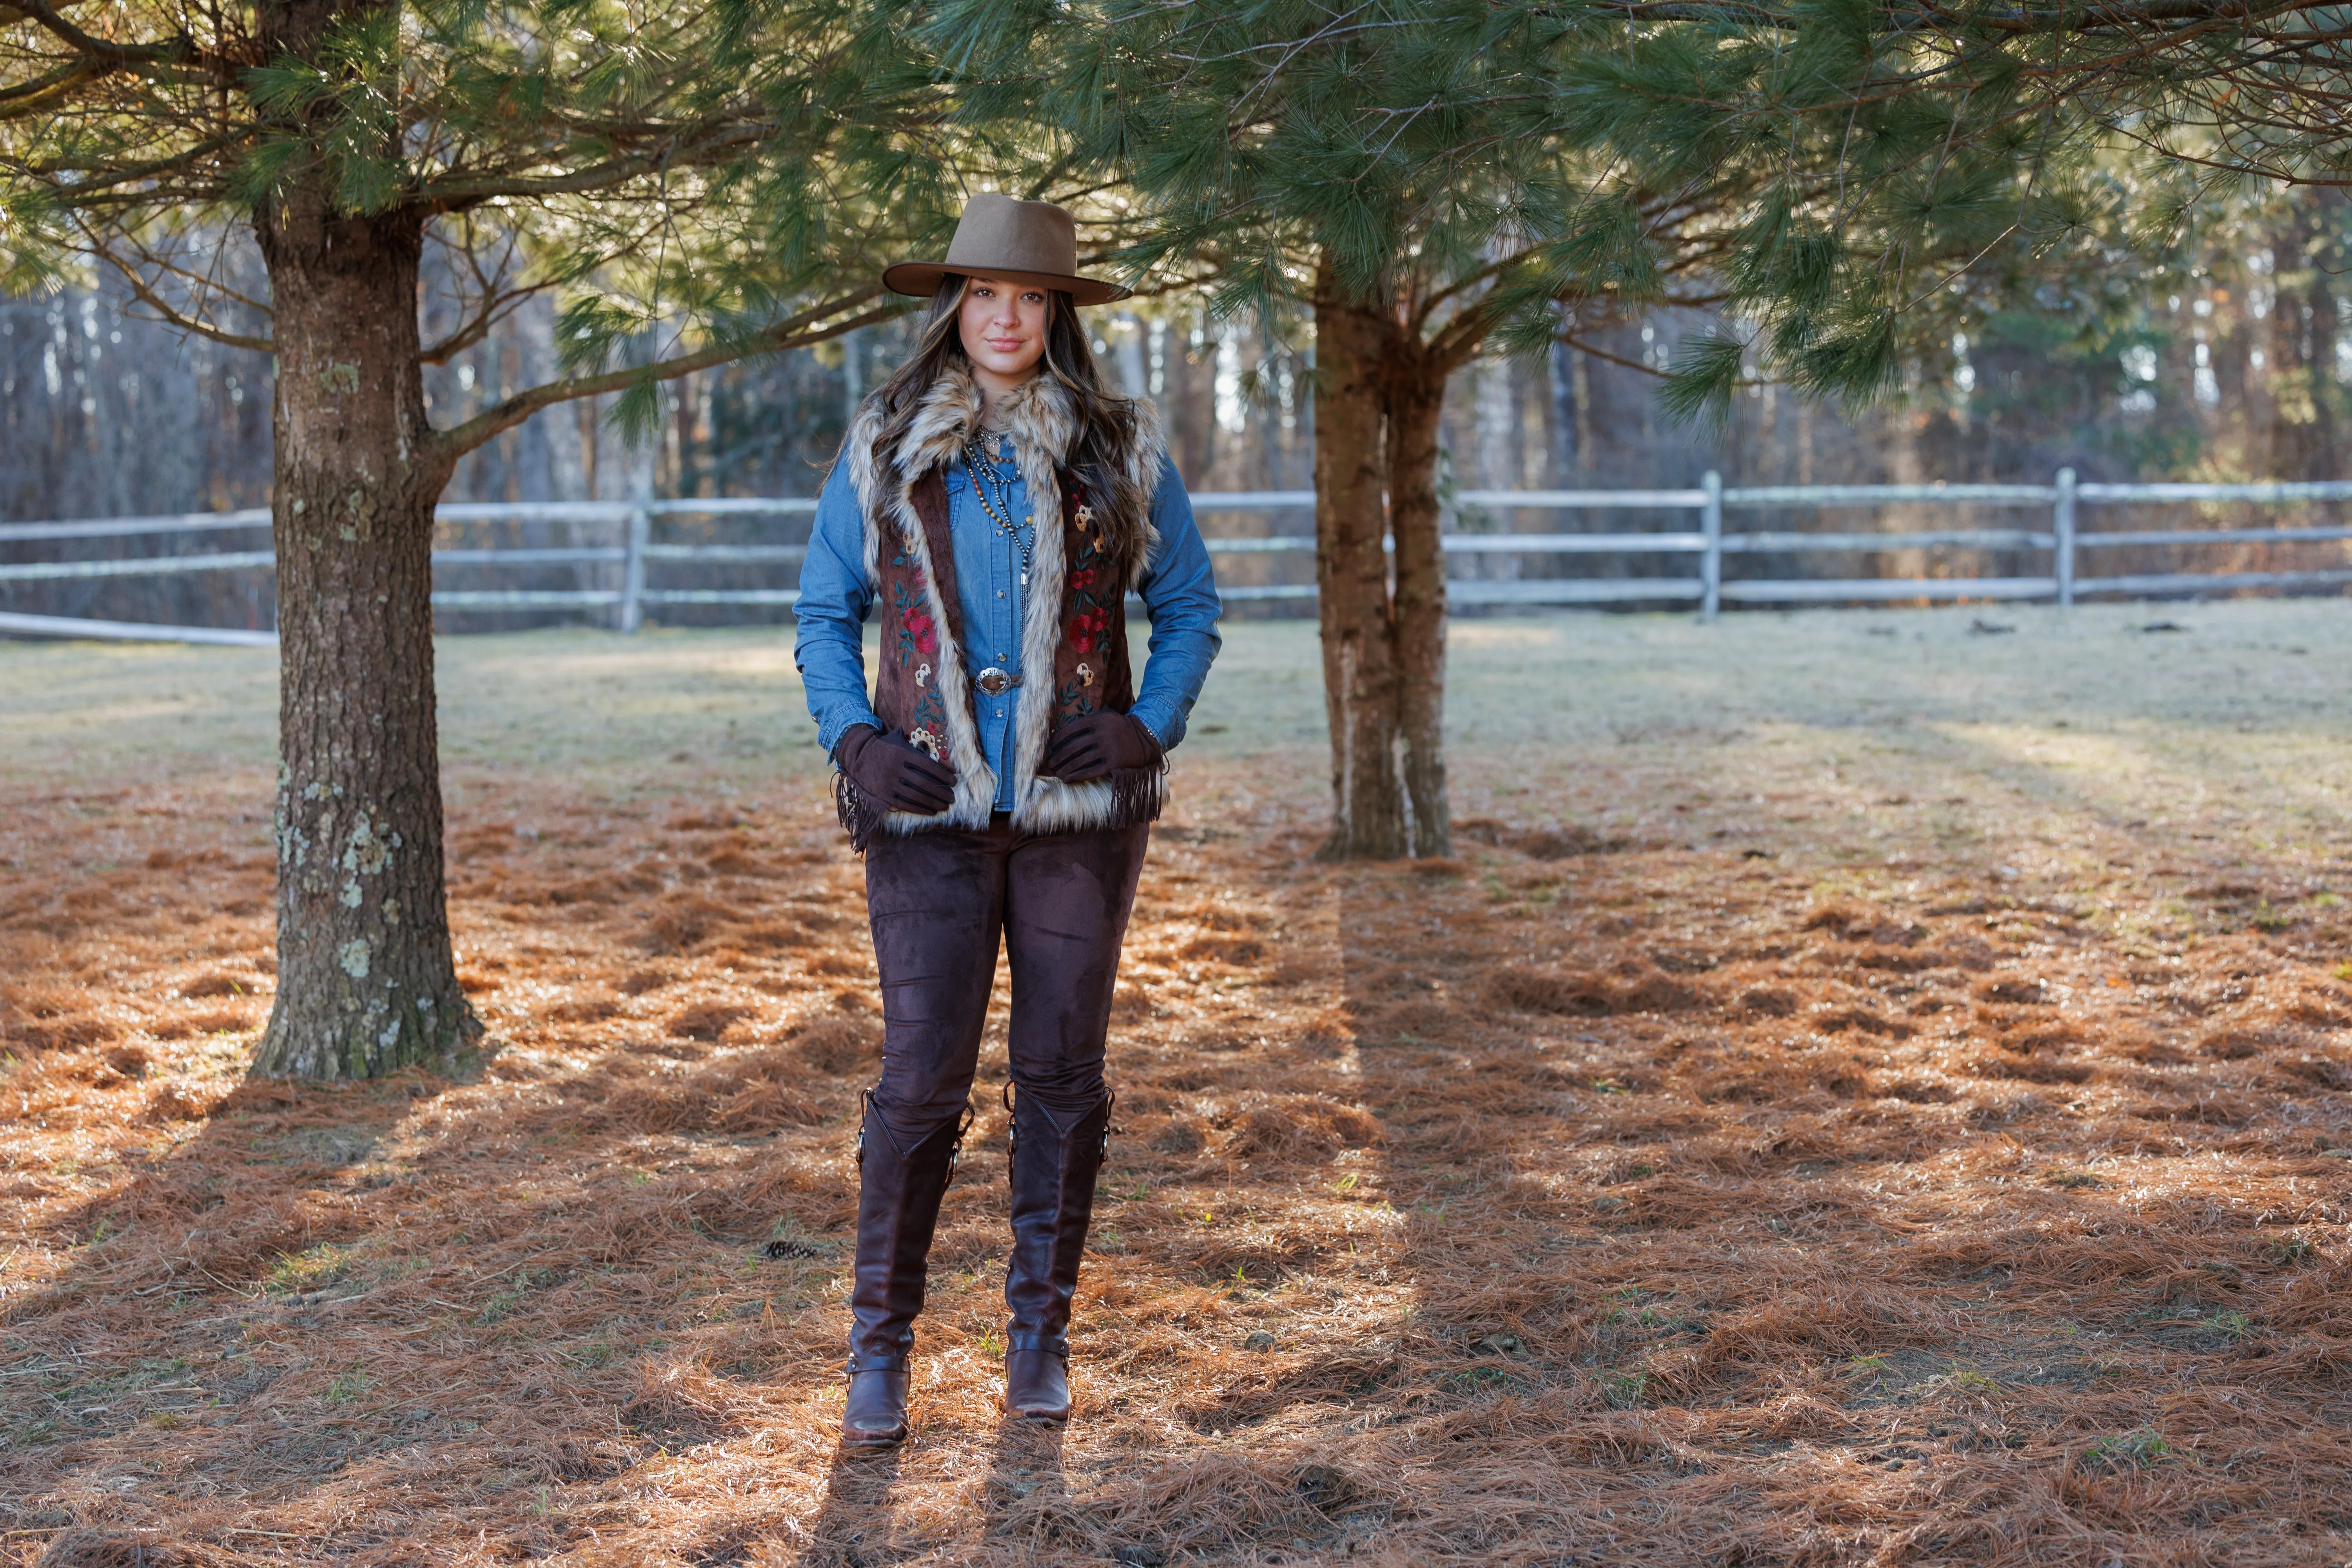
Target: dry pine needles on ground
[1724, 1160]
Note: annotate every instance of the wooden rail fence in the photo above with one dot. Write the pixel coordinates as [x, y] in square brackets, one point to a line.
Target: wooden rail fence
[1699, 536]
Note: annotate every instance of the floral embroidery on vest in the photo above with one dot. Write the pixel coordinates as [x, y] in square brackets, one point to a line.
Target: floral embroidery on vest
[1091, 597]
[918, 639]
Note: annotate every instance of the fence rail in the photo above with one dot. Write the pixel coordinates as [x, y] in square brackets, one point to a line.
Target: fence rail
[637, 553]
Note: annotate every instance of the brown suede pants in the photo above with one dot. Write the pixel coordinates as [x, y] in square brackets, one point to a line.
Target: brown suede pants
[939, 902]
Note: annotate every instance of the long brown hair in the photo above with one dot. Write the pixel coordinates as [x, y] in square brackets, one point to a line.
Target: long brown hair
[1107, 422]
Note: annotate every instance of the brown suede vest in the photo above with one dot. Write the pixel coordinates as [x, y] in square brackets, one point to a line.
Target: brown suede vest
[1091, 670]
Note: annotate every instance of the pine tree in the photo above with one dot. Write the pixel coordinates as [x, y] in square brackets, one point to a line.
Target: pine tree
[695, 183]
[1414, 180]
[1911, 164]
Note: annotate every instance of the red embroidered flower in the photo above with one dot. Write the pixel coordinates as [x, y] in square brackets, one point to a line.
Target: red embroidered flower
[1086, 628]
[1082, 579]
[919, 627]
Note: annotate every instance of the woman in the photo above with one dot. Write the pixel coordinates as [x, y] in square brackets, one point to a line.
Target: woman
[993, 505]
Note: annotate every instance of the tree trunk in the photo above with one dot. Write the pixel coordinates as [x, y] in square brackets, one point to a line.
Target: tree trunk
[1359, 660]
[1416, 399]
[2302, 344]
[365, 979]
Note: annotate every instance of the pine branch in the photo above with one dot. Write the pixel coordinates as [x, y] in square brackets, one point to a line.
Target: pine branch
[34, 95]
[165, 313]
[495, 309]
[148, 257]
[47, 18]
[458, 194]
[102, 181]
[796, 332]
[1583, 347]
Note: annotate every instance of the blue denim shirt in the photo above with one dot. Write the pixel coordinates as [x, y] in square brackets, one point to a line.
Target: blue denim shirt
[1179, 592]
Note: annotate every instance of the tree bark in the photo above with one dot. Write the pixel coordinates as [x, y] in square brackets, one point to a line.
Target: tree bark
[2302, 344]
[1416, 400]
[366, 982]
[1360, 650]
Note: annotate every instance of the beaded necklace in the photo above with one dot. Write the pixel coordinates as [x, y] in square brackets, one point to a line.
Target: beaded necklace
[998, 509]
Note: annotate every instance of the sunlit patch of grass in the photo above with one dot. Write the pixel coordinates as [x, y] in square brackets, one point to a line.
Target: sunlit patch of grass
[2289, 1250]
[1480, 1379]
[1625, 1388]
[1958, 1379]
[313, 1269]
[2139, 1449]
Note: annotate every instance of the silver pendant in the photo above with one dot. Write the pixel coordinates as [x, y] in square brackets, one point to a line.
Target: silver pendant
[1024, 579]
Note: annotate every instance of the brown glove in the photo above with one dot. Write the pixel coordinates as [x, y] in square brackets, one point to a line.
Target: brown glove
[1100, 743]
[893, 772]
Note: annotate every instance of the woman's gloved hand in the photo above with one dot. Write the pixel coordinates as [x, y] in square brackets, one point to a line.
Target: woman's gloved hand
[1101, 744]
[893, 772]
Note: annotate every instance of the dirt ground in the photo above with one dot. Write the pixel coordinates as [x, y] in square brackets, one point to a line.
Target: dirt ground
[1870, 1089]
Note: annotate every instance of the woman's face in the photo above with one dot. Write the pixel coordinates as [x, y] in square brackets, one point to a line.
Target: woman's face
[1004, 330]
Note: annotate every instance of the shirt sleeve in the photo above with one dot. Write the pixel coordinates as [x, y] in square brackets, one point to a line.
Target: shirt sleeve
[829, 645]
[1179, 593]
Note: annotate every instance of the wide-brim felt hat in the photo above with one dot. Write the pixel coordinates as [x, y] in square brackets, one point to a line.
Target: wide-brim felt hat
[1034, 243]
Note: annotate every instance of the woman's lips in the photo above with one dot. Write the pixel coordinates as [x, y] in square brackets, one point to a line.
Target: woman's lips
[1003, 345]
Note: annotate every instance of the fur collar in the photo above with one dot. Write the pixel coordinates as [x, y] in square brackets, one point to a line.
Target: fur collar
[1042, 420]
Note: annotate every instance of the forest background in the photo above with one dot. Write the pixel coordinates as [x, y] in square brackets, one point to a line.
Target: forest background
[2230, 363]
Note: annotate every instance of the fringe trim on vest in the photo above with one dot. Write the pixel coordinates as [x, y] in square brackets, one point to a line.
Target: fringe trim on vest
[861, 817]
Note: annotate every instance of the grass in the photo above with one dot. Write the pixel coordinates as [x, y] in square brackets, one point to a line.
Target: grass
[1700, 1170]
[2135, 1451]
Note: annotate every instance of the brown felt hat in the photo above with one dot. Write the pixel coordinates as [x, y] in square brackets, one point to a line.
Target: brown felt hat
[1021, 242]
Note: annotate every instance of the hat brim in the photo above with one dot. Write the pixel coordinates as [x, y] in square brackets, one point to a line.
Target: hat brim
[923, 278]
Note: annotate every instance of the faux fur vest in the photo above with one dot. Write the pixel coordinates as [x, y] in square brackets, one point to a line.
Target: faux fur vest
[1073, 656]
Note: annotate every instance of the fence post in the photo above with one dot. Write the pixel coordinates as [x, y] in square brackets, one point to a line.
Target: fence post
[1710, 563]
[2063, 525]
[633, 563]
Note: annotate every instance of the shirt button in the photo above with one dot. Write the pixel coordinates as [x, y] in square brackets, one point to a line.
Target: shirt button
[1000, 592]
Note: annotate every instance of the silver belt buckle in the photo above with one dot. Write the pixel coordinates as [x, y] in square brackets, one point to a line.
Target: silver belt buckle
[994, 681]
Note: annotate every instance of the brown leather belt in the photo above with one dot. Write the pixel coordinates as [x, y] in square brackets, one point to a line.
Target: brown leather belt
[994, 681]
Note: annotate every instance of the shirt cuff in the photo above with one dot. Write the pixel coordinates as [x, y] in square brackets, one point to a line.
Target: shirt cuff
[843, 719]
[1158, 718]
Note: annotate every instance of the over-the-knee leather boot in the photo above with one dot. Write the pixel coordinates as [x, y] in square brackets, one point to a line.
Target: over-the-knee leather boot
[1054, 1162]
[899, 1194]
